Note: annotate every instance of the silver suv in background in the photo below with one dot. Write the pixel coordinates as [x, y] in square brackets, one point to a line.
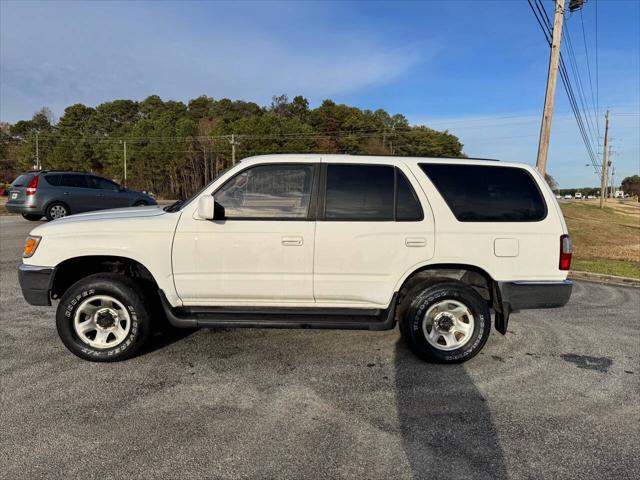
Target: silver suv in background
[56, 194]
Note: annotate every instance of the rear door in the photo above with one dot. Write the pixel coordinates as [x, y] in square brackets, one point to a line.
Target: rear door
[374, 225]
[75, 192]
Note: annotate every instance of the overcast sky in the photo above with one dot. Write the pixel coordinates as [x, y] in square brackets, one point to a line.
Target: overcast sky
[440, 63]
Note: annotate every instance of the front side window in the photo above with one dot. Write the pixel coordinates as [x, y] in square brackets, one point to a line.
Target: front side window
[104, 184]
[268, 191]
[483, 193]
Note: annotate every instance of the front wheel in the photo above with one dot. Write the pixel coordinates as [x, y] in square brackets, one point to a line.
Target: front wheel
[103, 318]
[446, 322]
[32, 217]
[140, 203]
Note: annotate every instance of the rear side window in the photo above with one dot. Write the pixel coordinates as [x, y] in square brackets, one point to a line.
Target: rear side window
[370, 193]
[78, 181]
[359, 192]
[481, 193]
[22, 181]
[408, 207]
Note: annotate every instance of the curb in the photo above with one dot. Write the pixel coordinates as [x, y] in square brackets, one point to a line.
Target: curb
[602, 278]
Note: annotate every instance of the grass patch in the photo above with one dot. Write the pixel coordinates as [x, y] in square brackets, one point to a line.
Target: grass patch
[604, 240]
[608, 267]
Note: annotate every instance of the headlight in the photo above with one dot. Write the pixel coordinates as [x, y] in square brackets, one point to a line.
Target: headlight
[30, 246]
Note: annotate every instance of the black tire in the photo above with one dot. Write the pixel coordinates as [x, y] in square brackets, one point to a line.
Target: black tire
[414, 317]
[140, 203]
[111, 285]
[52, 208]
[32, 217]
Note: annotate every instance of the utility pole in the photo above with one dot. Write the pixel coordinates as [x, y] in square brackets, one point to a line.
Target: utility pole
[124, 183]
[605, 161]
[552, 78]
[37, 151]
[613, 174]
[233, 143]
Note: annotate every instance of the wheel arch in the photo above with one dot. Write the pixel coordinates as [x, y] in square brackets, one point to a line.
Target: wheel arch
[51, 202]
[476, 277]
[471, 274]
[73, 269]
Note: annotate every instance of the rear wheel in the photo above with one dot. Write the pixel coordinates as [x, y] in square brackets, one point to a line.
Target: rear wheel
[56, 210]
[103, 318]
[447, 322]
[32, 217]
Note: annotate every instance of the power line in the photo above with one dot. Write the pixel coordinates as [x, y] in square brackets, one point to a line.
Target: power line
[586, 54]
[597, 66]
[544, 22]
[546, 28]
[573, 63]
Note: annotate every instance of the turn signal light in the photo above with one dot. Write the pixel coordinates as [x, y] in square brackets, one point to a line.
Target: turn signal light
[566, 249]
[30, 245]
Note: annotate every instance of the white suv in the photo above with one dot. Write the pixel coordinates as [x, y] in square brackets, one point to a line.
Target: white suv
[312, 241]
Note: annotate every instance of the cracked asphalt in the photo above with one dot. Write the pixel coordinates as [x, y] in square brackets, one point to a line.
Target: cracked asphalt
[557, 397]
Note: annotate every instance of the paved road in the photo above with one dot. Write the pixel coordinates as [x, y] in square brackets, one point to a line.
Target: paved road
[558, 397]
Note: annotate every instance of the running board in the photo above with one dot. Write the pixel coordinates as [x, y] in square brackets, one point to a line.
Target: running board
[291, 317]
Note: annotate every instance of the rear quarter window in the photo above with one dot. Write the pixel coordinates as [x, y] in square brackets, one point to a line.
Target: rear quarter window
[482, 193]
[53, 180]
[22, 180]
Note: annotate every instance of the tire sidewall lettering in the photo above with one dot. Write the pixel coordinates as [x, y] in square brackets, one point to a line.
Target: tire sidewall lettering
[119, 349]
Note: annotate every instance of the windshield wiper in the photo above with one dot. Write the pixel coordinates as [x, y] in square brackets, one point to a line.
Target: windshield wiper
[174, 207]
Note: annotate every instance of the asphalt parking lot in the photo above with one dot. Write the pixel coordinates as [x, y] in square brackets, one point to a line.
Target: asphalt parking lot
[557, 397]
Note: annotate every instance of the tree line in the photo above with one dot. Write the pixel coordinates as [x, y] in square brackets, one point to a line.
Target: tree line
[173, 148]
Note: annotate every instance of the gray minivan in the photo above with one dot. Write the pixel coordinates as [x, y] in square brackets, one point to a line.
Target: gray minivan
[56, 194]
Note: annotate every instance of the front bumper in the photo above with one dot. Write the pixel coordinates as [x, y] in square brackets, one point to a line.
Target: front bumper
[537, 294]
[36, 283]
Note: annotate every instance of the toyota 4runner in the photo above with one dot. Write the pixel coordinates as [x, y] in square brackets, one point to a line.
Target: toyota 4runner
[312, 241]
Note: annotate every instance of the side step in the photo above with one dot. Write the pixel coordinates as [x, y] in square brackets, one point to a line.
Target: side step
[238, 317]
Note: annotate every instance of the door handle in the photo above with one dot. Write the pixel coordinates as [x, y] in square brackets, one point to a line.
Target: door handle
[292, 241]
[100, 194]
[66, 193]
[415, 242]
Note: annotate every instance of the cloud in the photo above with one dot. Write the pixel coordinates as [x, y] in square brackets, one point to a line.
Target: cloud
[58, 54]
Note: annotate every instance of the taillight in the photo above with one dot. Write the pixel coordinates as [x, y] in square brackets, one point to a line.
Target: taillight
[566, 249]
[33, 185]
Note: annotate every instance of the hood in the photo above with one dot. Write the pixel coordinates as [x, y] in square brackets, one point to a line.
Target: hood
[112, 215]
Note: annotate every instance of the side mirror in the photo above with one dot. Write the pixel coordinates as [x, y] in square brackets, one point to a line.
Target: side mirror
[206, 207]
[121, 188]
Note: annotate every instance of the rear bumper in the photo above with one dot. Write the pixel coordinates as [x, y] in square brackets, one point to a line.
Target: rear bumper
[23, 208]
[535, 294]
[35, 283]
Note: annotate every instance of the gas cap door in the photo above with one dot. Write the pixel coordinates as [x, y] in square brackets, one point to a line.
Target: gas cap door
[506, 247]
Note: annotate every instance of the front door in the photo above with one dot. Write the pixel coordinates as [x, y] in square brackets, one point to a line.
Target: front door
[108, 194]
[262, 252]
